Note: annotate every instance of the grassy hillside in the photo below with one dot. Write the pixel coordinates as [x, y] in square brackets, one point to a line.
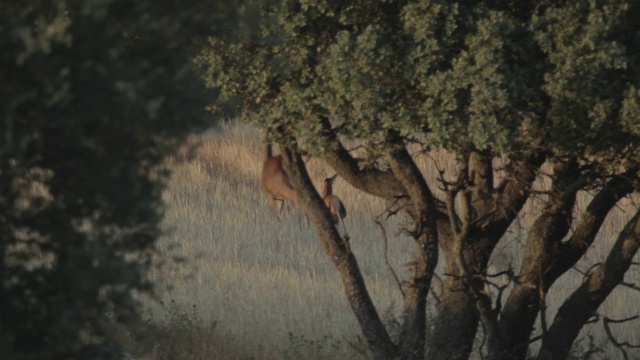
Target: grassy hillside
[248, 281]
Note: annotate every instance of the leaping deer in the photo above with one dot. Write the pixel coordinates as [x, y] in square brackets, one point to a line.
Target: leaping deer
[335, 205]
[275, 181]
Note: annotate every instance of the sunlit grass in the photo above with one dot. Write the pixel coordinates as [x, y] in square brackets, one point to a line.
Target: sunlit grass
[261, 279]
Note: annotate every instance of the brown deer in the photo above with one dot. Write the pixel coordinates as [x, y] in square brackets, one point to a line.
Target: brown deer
[275, 181]
[335, 205]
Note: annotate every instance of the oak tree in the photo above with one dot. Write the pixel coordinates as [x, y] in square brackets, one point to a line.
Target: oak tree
[513, 90]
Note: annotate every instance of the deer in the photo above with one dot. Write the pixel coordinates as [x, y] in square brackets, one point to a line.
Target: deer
[335, 205]
[275, 181]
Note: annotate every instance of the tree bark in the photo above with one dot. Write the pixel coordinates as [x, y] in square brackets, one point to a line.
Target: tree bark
[383, 184]
[454, 328]
[546, 259]
[412, 342]
[414, 318]
[337, 250]
[543, 241]
[467, 251]
[573, 249]
[584, 302]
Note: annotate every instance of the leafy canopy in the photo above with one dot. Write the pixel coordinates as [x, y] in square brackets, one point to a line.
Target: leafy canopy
[482, 76]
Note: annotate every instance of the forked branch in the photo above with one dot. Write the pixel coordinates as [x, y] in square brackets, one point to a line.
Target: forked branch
[383, 184]
[571, 251]
[584, 302]
[386, 258]
[620, 345]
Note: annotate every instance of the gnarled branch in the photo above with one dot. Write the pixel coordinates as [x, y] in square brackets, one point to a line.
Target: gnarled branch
[584, 302]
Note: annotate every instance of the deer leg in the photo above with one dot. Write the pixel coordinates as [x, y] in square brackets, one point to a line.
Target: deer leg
[270, 201]
[278, 208]
[273, 203]
[346, 237]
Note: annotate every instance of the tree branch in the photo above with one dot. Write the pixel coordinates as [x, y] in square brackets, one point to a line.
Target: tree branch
[408, 174]
[631, 286]
[337, 250]
[584, 302]
[512, 193]
[481, 170]
[527, 297]
[386, 258]
[572, 250]
[622, 346]
[412, 343]
[383, 184]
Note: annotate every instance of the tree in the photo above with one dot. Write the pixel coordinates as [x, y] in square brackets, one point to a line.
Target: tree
[526, 85]
[95, 94]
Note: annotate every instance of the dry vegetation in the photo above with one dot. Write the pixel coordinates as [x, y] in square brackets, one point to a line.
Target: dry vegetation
[251, 286]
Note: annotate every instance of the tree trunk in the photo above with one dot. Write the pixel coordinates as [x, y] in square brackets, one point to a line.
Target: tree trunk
[414, 316]
[337, 249]
[454, 329]
[486, 213]
[423, 211]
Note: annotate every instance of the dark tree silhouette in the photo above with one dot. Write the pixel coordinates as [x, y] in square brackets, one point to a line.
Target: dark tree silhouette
[94, 95]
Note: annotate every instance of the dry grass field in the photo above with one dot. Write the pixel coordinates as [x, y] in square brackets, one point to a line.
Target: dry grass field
[251, 286]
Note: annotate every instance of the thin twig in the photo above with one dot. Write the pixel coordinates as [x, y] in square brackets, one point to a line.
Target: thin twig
[528, 342]
[592, 349]
[386, 258]
[622, 346]
[508, 272]
[587, 272]
[630, 285]
[433, 292]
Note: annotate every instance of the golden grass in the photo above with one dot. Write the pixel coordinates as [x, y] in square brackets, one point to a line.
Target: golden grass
[262, 279]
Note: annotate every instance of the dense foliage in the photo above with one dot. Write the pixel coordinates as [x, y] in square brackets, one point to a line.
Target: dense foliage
[94, 95]
[490, 75]
[525, 83]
